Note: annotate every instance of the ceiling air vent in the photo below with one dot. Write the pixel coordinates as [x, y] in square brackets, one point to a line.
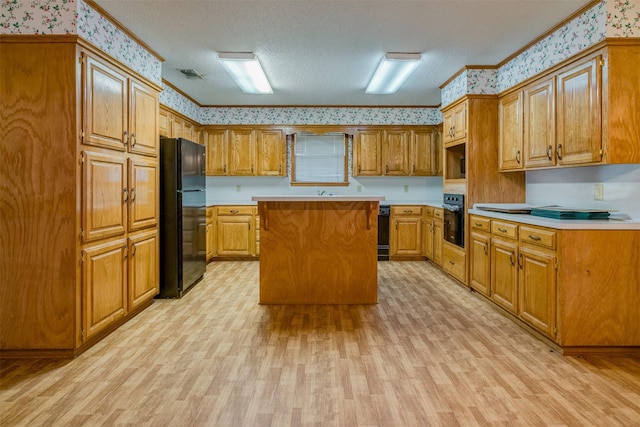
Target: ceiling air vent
[192, 74]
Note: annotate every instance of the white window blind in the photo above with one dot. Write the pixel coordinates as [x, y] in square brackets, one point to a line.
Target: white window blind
[319, 158]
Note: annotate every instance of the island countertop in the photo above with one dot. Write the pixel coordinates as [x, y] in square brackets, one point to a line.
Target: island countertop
[311, 198]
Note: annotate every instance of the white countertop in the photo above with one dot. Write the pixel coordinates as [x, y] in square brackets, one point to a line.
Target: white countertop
[317, 198]
[562, 224]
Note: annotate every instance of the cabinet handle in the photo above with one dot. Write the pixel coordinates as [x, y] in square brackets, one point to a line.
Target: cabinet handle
[358, 169]
[126, 195]
[452, 262]
[520, 261]
[518, 157]
[133, 247]
[549, 151]
[478, 224]
[502, 230]
[408, 211]
[396, 225]
[414, 168]
[133, 194]
[224, 169]
[234, 211]
[280, 169]
[486, 248]
[125, 140]
[534, 238]
[252, 169]
[126, 251]
[133, 140]
[511, 258]
[559, 151]
[386, 169]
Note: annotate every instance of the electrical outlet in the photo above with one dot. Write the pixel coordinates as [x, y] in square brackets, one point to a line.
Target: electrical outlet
[359, 189]
[406, 188]
[238, 188]
[598, 192]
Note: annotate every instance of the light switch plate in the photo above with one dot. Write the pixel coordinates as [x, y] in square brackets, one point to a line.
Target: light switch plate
[406, 188]
[238, 187]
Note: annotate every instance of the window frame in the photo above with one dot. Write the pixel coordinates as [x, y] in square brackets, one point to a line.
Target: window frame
[344, 183]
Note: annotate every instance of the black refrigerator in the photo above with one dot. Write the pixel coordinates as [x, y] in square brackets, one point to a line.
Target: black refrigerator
[183, 216]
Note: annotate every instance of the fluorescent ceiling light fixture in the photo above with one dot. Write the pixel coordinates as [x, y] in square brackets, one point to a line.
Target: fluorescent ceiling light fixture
[246, 71]
[393, 71]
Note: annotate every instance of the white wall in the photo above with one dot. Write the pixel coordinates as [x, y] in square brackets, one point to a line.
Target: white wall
[574, 187]
[231, 190]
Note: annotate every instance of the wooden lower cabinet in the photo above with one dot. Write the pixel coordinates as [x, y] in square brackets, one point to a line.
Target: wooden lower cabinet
[560, 283]
[104, 286]
[144, 257]
[405, 234]
[235, 232]
[537, 287]
[211, 234]
[504, 273]
[480, 262]
[454, 261]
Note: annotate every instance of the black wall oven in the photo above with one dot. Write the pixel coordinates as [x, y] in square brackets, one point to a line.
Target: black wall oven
[453, 206]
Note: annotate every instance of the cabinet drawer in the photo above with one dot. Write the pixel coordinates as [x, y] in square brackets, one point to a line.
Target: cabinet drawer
[235, 210]
[406, 210]
[480, 223]
[438, 213]
[453, 262]
[505, 229]
[538, 236]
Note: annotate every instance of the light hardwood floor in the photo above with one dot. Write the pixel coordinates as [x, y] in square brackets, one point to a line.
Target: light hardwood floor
[429, 353]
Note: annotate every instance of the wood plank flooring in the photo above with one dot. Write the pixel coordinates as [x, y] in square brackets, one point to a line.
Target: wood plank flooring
[430, 353]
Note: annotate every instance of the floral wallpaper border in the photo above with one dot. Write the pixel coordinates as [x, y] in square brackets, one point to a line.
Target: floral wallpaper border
[76, 17]
[609, 18]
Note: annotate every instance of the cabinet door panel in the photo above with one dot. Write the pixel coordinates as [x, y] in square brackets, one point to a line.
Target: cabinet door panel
[104, 196]
[104, 286]
[143, 268]
[234, 236]
[579, 138]
[395, 153]
[242, 152]
[480, 265]
[510, 131]
[143, 194]
[217, 152]
[504, 273]
[408, 236]
[105, 107]
[367, 153]
[438, 238]
[537, 283]
[271, 153]
[424, 153]
[143, 138]
[539, 124]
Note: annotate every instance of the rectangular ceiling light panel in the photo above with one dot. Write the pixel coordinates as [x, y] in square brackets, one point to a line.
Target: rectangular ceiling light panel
[246, 71]
[392, 72]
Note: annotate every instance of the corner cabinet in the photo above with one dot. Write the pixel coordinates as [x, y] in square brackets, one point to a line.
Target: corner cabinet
[87, 258]
[577, 113]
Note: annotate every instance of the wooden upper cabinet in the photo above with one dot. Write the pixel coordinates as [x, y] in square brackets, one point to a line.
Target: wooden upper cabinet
[177, 128]
[272, 152]
[104, 196]
[510, 132]
[395, 152]
[105, 109]
[367, 153]
[143, 128]
[424, 153]
[579, 112]
[217, 142]
[242, 152]
[455, 123]
[539, 123]
[144, 204]
[164, 123]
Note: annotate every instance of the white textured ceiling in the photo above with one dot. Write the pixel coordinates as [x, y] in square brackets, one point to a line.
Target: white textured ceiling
[323, 52]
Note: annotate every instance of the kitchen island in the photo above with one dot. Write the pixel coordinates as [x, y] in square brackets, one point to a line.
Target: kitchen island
[318, 249]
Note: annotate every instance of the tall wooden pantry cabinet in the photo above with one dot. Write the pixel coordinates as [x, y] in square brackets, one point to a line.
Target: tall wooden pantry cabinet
[79, 195]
